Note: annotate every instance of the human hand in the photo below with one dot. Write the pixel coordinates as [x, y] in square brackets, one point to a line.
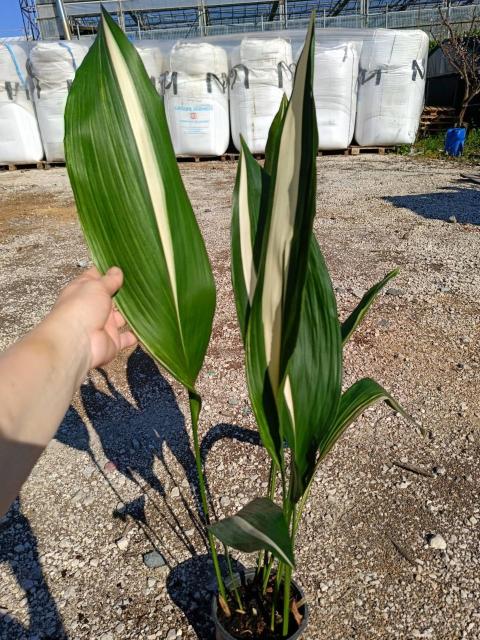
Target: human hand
[85, 306]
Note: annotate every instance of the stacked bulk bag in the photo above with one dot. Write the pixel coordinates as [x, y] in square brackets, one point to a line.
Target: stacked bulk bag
[391, 87]
[53, 66]
[153, 60]
[335, 91]
[196, 99]
[19, 135]
[262, 71]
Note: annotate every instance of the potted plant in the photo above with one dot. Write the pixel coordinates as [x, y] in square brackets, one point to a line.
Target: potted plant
[293, 342]
[135, 213]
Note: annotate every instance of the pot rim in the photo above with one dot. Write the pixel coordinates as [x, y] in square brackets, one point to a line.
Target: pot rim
[250, 573]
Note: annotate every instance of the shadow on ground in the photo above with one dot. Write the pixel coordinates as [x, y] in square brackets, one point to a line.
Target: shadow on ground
[18, 549]
[191, 585]
[133, 436]
[463, 203]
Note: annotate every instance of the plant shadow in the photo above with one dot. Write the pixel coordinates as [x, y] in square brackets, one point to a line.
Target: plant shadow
[133, 436]
[18, 550]
[463, 203]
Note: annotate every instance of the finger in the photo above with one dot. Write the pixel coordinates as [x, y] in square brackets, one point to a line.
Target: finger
[127, 339]
[113, 280]
[104, 348]
[119, 319]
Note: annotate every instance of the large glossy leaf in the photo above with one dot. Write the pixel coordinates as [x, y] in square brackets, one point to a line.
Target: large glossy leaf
[357, 315]
[314, 376]
[133, 207]
[276, 307]
[361, 395]
[259, 525]
[293, 338]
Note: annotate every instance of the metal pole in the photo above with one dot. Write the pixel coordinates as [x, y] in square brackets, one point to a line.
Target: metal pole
[324, 18]
[386, 16]
[121, 17]
[63, 19]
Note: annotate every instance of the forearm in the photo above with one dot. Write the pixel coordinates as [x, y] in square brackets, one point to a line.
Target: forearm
[39, 376]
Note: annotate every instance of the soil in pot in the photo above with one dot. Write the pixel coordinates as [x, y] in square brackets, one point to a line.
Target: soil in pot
[254, 621]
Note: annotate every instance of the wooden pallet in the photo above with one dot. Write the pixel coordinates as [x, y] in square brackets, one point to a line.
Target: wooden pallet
[224, 157]
[437, 120]
[355, 150]
[18, 166]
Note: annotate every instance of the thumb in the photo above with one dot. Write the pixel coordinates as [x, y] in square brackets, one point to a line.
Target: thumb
[113, 280]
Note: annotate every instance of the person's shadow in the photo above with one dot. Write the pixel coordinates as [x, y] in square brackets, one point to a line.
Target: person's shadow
[18, 549]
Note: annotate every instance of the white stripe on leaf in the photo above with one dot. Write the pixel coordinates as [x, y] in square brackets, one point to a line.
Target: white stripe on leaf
[146, 152]
[282, 223]
[249, 273]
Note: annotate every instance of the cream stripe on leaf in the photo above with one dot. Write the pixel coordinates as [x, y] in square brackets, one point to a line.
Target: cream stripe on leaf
[133, 206]
[293, 338]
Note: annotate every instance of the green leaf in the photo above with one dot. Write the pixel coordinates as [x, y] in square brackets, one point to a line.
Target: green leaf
[294, 355]
[247, 225]
[133, 207]
[259, 525]
[361, 395]
[271, 149]
[314, 373]
[276, 308]
[357, 315]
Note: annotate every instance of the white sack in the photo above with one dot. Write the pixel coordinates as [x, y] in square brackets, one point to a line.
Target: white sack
[53, 66]
[150, 52]
[196, 100]
[335, 91]
[391, 87]
[19, 134]
[261, 73]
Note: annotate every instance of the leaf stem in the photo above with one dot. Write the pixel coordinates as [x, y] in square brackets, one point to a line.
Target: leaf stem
[195, 406]
[287, 579]
[232, 578]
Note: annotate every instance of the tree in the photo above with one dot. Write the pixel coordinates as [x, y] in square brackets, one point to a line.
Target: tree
[462, 51]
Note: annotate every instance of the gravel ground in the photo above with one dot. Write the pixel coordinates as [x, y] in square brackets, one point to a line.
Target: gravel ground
[384, 551]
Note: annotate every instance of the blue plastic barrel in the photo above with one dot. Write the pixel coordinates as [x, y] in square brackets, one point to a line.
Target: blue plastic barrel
[455, 141]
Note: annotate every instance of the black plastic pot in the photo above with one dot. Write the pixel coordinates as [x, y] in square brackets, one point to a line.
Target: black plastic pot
[222, 634]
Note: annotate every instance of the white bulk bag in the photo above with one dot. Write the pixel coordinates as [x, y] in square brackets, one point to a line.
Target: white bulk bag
[335, 91]
[261, 73]
[19, 134]
[196, 99]
[391, 87]
[153, 60]
[53, 66]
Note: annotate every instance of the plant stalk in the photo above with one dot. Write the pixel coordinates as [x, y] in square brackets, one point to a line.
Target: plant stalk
[263, 556]
[232, 578]
[287, 579]
[195, 407]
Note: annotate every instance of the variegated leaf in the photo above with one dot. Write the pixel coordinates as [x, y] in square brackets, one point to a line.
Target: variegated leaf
[132, 204]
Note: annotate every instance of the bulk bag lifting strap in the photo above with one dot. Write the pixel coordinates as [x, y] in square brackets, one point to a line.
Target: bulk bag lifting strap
[281, 66]
[16, 65]
[12, 90]
[223, 82]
